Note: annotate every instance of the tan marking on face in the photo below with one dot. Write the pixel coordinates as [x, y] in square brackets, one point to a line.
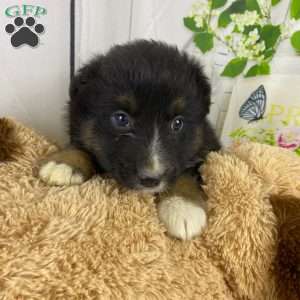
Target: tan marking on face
[127, 103]
[90, 140]
[198, 145]
[198, 138]
[87, 135]
[178, 106]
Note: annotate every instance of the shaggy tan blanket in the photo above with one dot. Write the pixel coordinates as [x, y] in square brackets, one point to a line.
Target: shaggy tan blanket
[99, 241]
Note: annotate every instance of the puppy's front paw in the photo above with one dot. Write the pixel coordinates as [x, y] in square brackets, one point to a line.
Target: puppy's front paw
[54, 173]
[183, 218]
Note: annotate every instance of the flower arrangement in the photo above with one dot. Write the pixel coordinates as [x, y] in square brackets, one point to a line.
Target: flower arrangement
[286, 137]
[246, 29]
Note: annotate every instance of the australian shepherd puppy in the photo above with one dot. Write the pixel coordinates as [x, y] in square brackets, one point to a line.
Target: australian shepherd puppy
[139, 112]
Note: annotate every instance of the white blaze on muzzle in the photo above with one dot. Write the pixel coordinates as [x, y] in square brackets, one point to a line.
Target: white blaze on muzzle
[155, 166]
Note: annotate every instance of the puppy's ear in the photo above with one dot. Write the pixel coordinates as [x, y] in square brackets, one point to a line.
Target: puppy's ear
[84, 76]
[77, 83]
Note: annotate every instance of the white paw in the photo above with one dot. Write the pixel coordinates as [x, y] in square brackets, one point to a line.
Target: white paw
[55, 173]
[183, 218]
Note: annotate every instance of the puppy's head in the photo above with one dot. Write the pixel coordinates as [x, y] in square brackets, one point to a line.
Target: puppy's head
[140, 111]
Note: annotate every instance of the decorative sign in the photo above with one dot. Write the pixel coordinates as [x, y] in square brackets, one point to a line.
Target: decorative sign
[24, 28]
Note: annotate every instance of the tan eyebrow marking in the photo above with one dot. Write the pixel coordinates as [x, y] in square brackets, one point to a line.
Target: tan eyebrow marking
[178, 106]
[127, 103]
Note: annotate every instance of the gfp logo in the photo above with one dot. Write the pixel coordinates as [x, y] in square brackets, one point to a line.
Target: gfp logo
[25, 30]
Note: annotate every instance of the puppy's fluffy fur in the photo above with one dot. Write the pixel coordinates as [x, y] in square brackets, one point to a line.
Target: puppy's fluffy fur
[139, 113]
[161, 96]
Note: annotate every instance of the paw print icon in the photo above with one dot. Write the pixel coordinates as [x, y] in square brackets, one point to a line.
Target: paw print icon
[24, 32]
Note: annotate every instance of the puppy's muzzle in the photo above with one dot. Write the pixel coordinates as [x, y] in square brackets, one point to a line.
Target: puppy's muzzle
[151, 178]
[150, 182]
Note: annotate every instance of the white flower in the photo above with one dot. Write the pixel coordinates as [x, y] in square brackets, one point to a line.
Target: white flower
[260, 59]
[251, 39]
[242, 51]
[200, 8]
[246, 19]
[253, 36]
[247, 45]
[200, 12]
[242, 44]
[199, 21]
[260, 47]
[287, 28]
[265, 6]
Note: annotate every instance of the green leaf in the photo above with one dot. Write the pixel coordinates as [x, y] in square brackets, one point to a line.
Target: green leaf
[224, 19]
[236, 29]
[250, 28]
[269, 53]
[270, 34]
[235, 67]
[218, 3]
[253, 5]
[295, 9]
[236, 7]
[204, 41]
[253, 71]
[275, 2]
[238, 133]
[295, 40]
[190, 23]
[262, 69]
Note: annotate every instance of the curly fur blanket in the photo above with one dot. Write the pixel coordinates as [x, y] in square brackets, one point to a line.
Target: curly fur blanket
[100, 241]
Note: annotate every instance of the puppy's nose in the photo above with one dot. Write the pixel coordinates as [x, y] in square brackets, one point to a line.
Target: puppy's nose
[149, 182]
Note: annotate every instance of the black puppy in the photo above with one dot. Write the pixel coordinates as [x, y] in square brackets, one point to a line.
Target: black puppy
[139, 113]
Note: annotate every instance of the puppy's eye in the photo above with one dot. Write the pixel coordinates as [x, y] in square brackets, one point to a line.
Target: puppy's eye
[120, 120]
[177, 124]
